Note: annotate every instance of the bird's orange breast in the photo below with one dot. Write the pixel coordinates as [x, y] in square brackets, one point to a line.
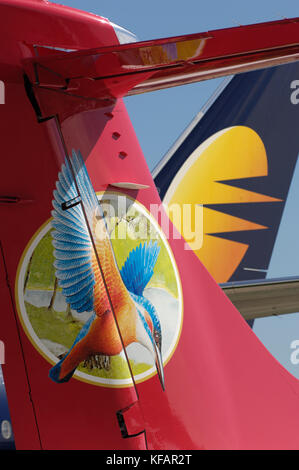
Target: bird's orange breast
[104, 337]
[104, 266]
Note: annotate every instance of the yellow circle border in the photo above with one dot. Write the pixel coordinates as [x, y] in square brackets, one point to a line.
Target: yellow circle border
[37, 237]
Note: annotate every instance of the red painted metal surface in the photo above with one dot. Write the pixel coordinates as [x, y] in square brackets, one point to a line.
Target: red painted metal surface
[223, 389]
[113, 72]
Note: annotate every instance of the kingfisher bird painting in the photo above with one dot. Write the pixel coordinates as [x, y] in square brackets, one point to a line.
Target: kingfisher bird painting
[99, 291]
[88, 274]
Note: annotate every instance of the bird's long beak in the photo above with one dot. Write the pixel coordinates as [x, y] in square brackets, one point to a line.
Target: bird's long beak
[159, 366]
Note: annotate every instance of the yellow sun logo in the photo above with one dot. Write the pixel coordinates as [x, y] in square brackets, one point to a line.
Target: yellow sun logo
[230, 154]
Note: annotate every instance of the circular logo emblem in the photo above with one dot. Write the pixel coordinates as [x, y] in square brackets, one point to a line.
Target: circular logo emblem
[57, 324]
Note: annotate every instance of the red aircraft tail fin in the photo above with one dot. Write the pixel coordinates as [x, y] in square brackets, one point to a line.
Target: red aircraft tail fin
[179, 330]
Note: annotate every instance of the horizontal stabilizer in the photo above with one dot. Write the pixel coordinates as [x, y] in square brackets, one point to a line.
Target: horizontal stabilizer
[264, 298]
[128, 69]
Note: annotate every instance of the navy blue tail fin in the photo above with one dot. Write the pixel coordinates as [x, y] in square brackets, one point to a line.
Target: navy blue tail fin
[266, 102]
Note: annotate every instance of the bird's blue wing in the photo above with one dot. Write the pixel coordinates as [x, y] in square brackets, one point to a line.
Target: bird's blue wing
[71, 238]
[86, 191]
[139, 267]
[148, 306]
